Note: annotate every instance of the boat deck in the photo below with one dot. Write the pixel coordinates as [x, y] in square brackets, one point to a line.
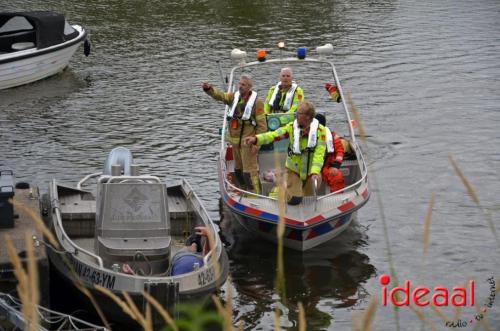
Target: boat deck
[300, 213]
[88, 244]
[78, 213]
[77, 207]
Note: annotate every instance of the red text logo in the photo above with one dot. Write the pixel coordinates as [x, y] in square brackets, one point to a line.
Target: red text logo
[439, 296]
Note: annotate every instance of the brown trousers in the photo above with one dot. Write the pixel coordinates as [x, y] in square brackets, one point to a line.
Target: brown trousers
[245, 160]
[295, 187]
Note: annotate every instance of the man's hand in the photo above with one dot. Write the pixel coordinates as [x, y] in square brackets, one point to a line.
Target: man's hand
[315, 177]
[248, 141]
[201, 231]
[206, 86]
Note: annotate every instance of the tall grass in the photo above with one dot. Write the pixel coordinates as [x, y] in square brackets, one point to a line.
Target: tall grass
[27, 287]
[226, 311]
[47, 234]
[472, 194]
[427, 225]
[37, 221]
[280, 232]
[373, 179]
[362, 320]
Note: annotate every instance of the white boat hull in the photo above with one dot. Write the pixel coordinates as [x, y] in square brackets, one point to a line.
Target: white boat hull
[34, 64]
[298, 240]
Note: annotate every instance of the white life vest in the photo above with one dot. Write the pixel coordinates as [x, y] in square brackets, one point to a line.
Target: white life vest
[329, 141]
[289, 96]
[248, 107]
[311, 139]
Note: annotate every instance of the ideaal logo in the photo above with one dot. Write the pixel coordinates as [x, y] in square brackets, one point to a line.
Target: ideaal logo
[441, 296]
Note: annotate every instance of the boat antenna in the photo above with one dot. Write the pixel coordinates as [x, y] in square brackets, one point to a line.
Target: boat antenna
[224, 81]
[281, 46]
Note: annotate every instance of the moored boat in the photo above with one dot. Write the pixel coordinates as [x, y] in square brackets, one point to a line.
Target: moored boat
[35, 45]
[317, 218]
[129, 236]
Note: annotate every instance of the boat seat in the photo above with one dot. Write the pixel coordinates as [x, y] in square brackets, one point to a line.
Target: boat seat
[151, 254]
[11, 38]
[22, 46]
[130, 246]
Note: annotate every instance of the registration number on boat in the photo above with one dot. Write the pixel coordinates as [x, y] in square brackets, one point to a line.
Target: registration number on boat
[94, 276]
[205, 277]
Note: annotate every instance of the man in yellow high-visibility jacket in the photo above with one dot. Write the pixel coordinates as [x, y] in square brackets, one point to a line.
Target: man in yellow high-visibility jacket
[306, 151]
[246, 118]
[285, 96]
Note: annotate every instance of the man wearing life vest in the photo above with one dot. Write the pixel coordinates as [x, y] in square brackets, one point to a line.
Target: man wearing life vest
[246, 118]
[332, 175]
[306, 151]
[285, 96]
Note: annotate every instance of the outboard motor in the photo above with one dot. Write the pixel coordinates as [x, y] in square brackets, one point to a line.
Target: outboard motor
[118, 156]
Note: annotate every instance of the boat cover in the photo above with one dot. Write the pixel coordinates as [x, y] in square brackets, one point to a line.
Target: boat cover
[49, 26]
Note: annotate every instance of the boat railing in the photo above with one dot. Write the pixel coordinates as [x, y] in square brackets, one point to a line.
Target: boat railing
[243, 193]
[315, 182]
[112, 179]
[86, 178]
[195, 202]
[207, 257]
[355, 185]
[65, 238]
[12, 310]
[129, 179]
[320, 60]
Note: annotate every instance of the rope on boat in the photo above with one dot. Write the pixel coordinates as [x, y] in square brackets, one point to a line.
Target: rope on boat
[46, 244]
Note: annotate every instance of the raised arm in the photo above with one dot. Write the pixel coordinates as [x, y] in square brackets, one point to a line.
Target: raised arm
[217, 94]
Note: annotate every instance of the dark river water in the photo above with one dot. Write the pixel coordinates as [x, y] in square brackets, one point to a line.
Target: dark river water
[424, 75]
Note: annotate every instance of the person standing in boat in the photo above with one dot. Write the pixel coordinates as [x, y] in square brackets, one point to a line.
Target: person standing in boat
[306, 151]
[246, 118]
[285, 96]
